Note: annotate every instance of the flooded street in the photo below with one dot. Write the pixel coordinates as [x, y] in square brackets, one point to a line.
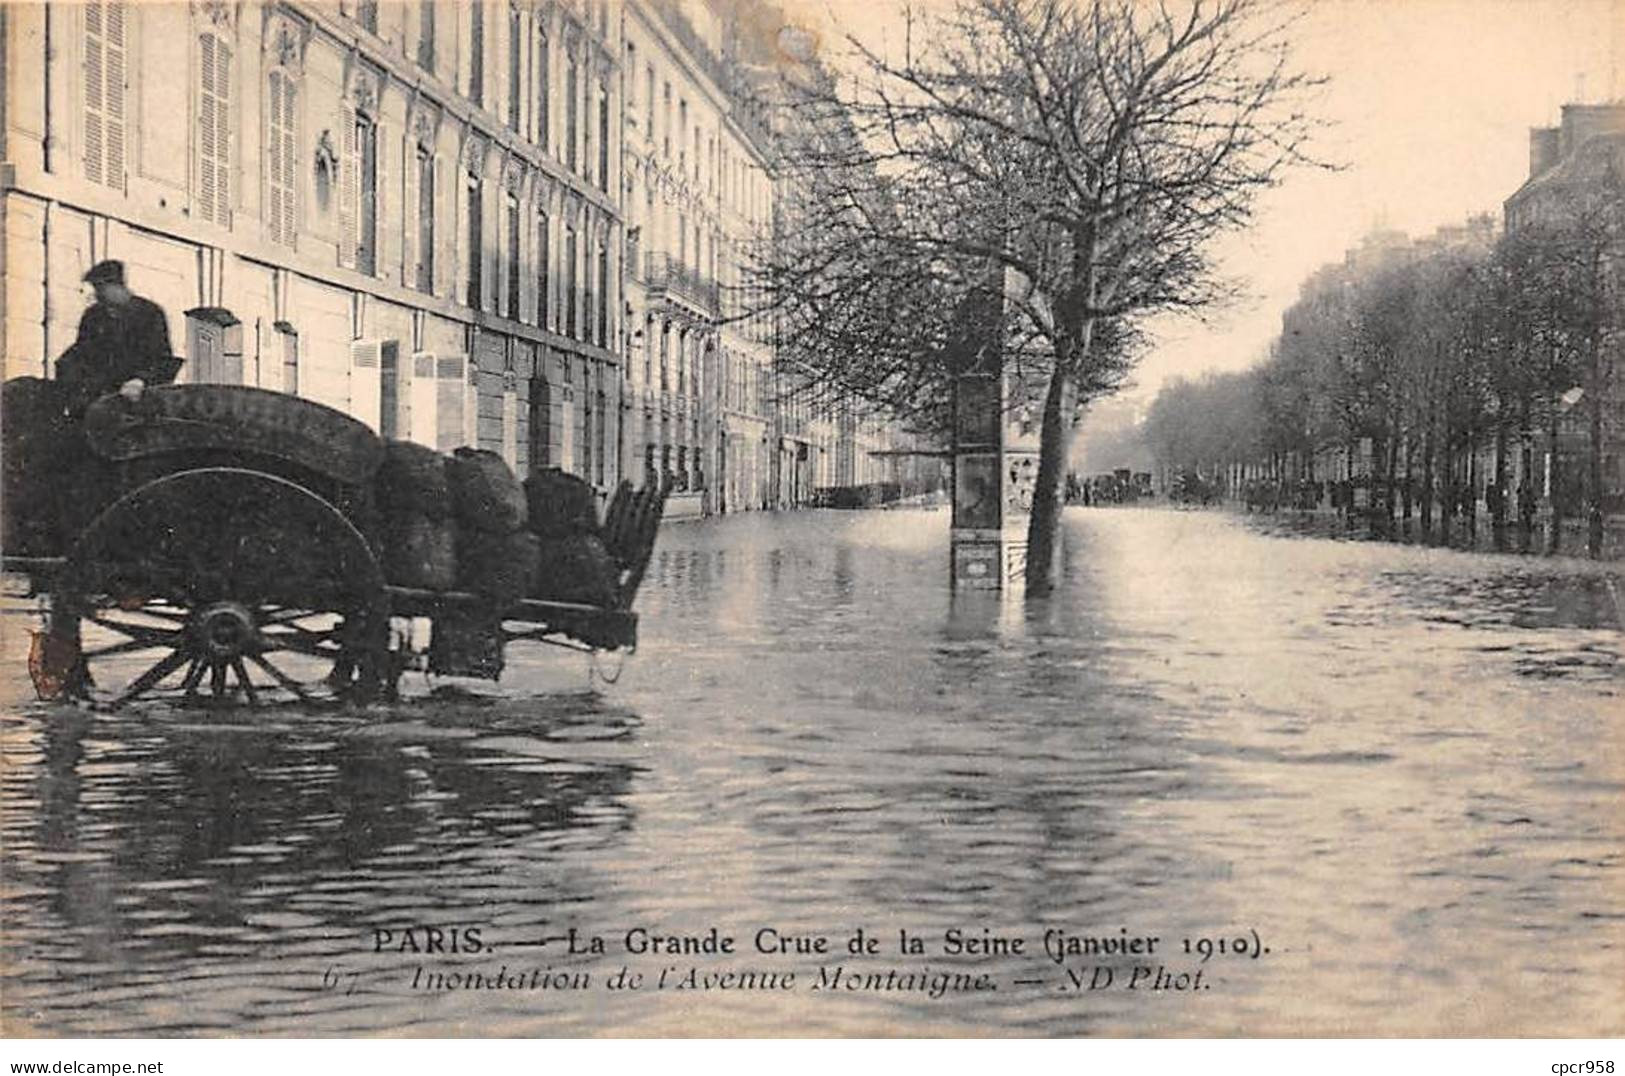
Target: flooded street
[1395, 772]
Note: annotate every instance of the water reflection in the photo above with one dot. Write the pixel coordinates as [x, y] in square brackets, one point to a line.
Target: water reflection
[1399, 765]
[157, 854]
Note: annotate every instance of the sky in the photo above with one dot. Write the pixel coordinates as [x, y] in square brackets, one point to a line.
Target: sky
[1429, 105]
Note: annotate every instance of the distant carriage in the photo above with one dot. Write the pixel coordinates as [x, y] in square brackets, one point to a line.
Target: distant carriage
[222, 542]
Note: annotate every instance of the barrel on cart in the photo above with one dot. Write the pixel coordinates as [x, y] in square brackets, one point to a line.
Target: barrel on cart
[215, 544]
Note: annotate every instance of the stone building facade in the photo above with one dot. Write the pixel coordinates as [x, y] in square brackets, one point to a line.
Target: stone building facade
[523, 225]
[698, 197]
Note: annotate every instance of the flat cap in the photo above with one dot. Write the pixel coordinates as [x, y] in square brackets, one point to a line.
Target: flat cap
[108, 272]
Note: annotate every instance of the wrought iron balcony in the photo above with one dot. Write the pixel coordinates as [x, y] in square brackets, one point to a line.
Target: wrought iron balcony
[665, 273]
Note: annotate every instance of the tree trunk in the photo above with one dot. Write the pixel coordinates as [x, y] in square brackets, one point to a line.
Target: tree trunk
[1054, 446]
[1448, 498]
[1469, 499]
[1554, 489]
[1594, 518]
[1498, 507]
[1427, 484]
[1392, 479]
[1526, 483]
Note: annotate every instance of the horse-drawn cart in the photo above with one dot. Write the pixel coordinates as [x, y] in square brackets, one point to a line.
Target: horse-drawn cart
[221, 544]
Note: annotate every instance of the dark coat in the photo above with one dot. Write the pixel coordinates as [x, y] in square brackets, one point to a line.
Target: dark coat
[116, 343]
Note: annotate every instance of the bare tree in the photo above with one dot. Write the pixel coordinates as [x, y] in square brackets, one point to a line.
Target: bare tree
[1075, 156]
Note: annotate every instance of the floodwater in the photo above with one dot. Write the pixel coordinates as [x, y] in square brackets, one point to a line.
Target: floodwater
[1390, 776]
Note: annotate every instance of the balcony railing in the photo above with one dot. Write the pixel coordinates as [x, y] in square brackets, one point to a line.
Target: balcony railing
[665, 273]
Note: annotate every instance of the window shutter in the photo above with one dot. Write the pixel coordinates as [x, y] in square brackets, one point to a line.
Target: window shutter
[113, 119]
[290, 160]
[410, 179]
[214, 130]
[95, 93]
[281, 204]
[104, 71]
[208, 122]
[273, 158]
[384, 252]
[349, 187]
[366, 382]
[450, 398]
[425, 391]
[222, 134]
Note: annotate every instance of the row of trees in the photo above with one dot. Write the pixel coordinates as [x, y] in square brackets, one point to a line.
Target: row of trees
[1441, 354]
[1032, 176]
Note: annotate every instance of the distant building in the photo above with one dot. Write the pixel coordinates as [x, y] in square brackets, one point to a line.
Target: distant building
[698, 196]
[1577, 183]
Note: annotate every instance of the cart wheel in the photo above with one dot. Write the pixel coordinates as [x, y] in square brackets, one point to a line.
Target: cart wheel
[221, 586]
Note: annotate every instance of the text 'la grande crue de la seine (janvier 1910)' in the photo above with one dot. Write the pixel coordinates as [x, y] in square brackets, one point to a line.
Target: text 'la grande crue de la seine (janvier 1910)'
[439, 958]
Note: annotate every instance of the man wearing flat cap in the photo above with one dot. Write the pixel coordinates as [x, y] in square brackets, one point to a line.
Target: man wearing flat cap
[123, 343]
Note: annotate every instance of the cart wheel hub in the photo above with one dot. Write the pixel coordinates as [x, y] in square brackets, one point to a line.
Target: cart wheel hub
[225, 630]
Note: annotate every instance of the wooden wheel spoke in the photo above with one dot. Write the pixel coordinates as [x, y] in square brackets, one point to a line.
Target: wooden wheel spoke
[194, 676]
[128, 646]
[286, 616]
[299, 646]
[320, 647]
[217, 679]
[142, 632]
[282, 678]
[311, 633]
[175, 616]
[241, 671]
[150, 679]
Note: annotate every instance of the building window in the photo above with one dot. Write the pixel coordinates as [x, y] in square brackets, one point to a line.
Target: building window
[366, 150]
[603, 137]
[649, 104]
[476, 52]
[106, 56]
[425, 221]
[543, 89]
[366, 13]
[426, 35]
[603, 295]
[603, 434]
[541, 417]
[543, 256]
[586, 453]
[290, 358]
[589, 155]
[587, 297]
[473, 241]
[514, 87]
[214, 130]
[570, 282]
[513, 257]
[682, 137]
[572, 105]
[665, 122]
[631, 79]
[281, 153]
